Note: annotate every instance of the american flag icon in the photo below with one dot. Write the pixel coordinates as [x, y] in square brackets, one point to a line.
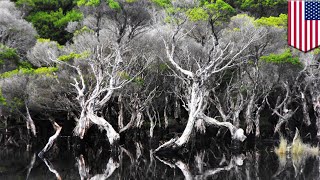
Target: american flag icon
[303, 24]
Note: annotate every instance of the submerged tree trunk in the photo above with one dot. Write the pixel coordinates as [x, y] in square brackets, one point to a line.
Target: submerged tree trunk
[194, 106]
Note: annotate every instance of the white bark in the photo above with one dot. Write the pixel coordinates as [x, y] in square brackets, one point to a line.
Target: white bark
[30, 123]
[121, 112]
[195, 105]
[236, 133]
[33, 160]
[185, 170]
[111, 167]
[52, 139]
[82, 168]
[152, 122]
[112, 135]
[52, 169]
[165, 115]
[306, 117]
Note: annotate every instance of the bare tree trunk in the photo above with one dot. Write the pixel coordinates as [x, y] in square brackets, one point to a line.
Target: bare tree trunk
[52, 139]
[249, 111]
[134, 116]
[30, 123]
[318, 121]
[121, 112]
[306, 117]
[83, 170]
[112, 135]
[177, 110]
[152, 122]
[185, 170]
[165, 115]
[257, 118]
[194, 108]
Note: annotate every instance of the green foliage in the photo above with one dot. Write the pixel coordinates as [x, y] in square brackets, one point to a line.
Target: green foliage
[29, 71]
[3, 100]
[50, 18]
[208, 10]
[82, 30]
[163, 67]
[139, 81]
[285, 57]
[162, 3]
[25, 64]
[246, 4]
[88, 2]
[197, 14]
[114, 4]
[279, 22]
[45, 71]
[131, 1]
[73, 55]
[72, 15]
[124, 75]
[8, 54]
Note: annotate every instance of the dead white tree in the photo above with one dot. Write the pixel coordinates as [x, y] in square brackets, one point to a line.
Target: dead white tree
[217, 58]
[282, 110]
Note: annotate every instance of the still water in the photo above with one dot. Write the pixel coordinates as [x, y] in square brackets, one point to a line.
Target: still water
[136, 161]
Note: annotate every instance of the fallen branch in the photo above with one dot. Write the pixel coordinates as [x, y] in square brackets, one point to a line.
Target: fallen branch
[236, 133]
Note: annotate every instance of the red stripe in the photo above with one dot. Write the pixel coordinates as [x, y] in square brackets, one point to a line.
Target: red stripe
[305, 36]
[310, 33]
[295, 24]
[300, 25]
[289, 22]
[317, 33]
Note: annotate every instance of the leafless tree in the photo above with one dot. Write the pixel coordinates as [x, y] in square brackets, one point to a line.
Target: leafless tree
[195, 65]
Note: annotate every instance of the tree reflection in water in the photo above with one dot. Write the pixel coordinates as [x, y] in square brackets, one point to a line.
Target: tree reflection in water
[137, 161]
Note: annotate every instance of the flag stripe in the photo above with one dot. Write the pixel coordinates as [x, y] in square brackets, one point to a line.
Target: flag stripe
[295, 24]
[289, 22]
[303, 34]
[317, 34]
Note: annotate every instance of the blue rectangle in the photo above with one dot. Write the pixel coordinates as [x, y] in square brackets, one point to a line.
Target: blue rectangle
[312, 10]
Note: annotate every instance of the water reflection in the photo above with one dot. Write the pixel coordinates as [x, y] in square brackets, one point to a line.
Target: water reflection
[51, 168]
[305, 166]
[137, 161]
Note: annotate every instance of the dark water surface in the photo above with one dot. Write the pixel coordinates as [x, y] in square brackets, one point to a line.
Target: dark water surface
[136, 161]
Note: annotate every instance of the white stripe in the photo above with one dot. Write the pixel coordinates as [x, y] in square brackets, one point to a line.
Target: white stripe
[292, 23]
[303, 29]
[298, 25]
[313, 34]
[308, 35]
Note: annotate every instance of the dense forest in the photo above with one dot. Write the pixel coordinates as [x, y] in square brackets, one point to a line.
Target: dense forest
[158, 68]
